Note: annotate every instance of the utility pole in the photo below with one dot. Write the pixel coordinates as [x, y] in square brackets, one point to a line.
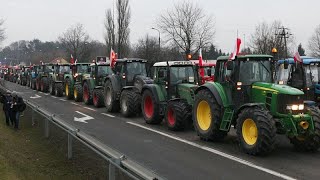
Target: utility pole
[283, 35]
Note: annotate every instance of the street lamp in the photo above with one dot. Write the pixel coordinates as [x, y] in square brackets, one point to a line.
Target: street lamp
[159, 42]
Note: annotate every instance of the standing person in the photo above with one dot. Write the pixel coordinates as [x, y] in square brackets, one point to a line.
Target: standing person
[6, 100]
[17, 107]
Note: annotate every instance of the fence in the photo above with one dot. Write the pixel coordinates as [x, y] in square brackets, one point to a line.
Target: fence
[114, 158]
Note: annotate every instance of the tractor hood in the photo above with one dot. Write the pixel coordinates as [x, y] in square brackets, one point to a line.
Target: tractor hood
[276, 88]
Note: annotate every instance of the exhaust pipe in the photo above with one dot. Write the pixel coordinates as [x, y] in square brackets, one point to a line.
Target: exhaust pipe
[304, 125]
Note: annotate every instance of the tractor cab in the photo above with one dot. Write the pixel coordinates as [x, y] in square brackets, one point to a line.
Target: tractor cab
[304, 76]
[99, 71]
[128, 69]
[79, 69]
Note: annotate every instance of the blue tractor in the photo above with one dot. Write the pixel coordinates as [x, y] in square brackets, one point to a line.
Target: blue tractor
[304, 76]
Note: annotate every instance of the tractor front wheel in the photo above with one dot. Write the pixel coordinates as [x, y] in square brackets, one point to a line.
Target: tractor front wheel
[86, 94]
[311, 142]
[130, 103]
[256, 131]
[150, 109]
[98, 98]
[58, 88]
[177, 115]
[207, 117]
[77, 93]
[110, 101]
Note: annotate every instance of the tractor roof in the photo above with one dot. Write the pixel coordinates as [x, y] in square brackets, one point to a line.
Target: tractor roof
[224, 58]
[173, 63]
[305, 59]
[100, 64]
[131, 60]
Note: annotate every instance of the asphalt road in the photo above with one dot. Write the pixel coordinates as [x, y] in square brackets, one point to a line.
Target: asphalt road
[178, 155]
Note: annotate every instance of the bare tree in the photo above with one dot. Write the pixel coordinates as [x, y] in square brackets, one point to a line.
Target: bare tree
[117, 33]
[266, 37]
[314, 42]
[187, 26]
[2, 36]
[76, 42]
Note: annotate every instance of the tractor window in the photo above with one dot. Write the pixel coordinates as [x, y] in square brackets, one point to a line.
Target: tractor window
[163, 71]
[63, 69]
[255, 71]
[182, 74]
[82, 68]
[118, 68]
[312, 75]
[283, 74]
[103, 70]
[135, 68]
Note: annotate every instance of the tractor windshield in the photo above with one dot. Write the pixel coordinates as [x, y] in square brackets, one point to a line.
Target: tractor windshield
[312, 75]
[64, 69]
[182, 74]
[82, 68]
[206, 68]
[136, 68]
[103, 70]
[255, 71]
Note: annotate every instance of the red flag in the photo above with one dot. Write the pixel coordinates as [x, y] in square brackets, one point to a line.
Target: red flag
[297, 58]
[236, 50]
[112, 58]
[72, 60]
[201, 63]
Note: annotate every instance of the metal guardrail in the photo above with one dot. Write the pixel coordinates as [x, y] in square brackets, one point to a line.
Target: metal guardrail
[115, 158]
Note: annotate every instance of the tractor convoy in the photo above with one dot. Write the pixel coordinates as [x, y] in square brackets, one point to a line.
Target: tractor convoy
[257, 95]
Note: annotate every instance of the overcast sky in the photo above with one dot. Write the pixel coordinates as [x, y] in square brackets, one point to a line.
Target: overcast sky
[47, 19]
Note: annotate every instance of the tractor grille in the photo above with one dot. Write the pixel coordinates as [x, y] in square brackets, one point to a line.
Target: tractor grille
[285, 99]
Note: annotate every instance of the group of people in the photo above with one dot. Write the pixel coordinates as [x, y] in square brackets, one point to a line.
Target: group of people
[13, 105]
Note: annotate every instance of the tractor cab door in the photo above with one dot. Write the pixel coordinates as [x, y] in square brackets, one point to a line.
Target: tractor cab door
[161, 78]
[297, 77]
[120, 72]
[225, 76]
[95, 74]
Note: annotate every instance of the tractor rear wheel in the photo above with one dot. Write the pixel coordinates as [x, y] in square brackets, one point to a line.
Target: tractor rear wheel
[311, 142]
[44, 84]
[207, 116]
[110, 101]
[130, 103]
[98, 98]
[77, 93]
[52, 87]
[58, 88]
[177, 115]
[86, 94]
[150, 109]
[68, 89]
[256, 131]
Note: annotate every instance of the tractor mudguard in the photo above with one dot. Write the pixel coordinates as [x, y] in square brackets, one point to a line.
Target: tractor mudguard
[248, 105]
[132, 88]
[217, 90]
[155, 89]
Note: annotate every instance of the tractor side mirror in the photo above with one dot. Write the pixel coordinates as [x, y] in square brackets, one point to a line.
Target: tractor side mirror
[286, 64]
[209, 72]
[229, 66]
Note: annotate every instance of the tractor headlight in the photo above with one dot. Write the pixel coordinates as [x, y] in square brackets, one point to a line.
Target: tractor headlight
[295, 107]
[281, 82]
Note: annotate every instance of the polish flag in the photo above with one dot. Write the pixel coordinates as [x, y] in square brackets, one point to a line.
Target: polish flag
[72, 60]
[76, 61]
[112, 58]
[236, 50]
[201, 63]
[297, 58]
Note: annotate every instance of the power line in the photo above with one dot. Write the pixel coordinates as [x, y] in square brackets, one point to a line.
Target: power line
[284, 35]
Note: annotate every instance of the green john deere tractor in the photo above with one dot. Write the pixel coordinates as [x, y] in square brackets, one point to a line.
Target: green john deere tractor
[56, 80]
[75, 77]
[93, 85]
[171, 95]
[245, 96]
[24, 75]
[122, 89]
[42, 79]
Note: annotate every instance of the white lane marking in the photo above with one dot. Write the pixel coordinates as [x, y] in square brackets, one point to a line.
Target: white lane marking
[62, 100]
[34, 90]
[82, 119]
[35, 96]
[75, 104]
[217, 152]
[40, 92]
[108, 115]
[46, 94]
[90, 108]
[53, 96]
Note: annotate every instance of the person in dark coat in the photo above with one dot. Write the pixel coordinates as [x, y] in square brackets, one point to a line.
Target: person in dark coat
[17, 102]
[6, 101]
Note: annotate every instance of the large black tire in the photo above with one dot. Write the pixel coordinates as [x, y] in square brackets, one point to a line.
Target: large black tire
[256, 131]
[311, 142]
[110, 101]
[178, 115]
[87, 96]
[77, 93]
[52, 87]
[38, 84]
[33, 84]
[207, 117]
[58, 89]
[68, 89]
[150, 108]
[44, 84]
[130, 103]
[98, 98]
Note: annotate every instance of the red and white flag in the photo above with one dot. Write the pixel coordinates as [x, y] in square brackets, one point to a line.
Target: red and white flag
[236, 50]
[112, 58]
[297, 58]
[201, 63]
[75, 62]
[72, 60]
